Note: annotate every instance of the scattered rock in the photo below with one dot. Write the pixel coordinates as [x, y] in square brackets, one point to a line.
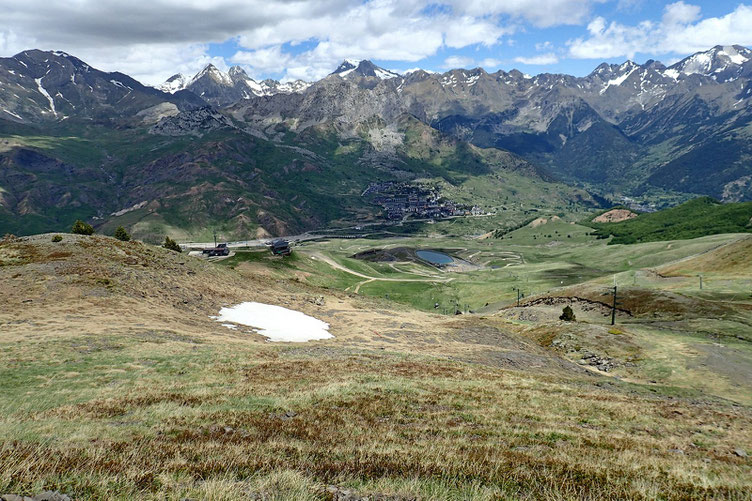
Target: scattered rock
[318, 300]
[741, 453]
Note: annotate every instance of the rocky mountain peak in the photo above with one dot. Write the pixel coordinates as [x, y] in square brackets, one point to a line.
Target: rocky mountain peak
[214, 73]
[236, 72]
[722, 63]
[175, 83]
[364, 68]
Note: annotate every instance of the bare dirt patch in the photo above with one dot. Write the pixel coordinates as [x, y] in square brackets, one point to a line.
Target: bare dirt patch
[615, 216]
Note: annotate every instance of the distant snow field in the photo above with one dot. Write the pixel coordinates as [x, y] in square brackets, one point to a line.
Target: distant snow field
[275, 322]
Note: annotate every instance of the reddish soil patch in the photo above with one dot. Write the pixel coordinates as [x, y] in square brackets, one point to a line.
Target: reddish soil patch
[615, 216]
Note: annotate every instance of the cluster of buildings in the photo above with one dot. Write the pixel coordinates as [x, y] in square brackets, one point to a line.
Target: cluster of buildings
[399, 200]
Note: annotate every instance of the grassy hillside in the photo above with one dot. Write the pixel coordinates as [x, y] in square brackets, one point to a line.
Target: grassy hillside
[115, 383]
[238, 184]
[696, 218]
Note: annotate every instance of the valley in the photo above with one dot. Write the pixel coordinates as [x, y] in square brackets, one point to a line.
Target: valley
[223, 152]
[501, 286]
[117, 382]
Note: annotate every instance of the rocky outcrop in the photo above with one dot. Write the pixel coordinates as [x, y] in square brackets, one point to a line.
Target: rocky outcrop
[192, 123]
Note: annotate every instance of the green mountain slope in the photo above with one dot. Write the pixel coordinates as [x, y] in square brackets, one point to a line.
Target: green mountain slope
[239, 184]
[696, 218]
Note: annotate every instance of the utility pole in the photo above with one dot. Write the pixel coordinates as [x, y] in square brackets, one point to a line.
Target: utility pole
[613, 309]
[700, 281]
[519, 295]
[215, 238]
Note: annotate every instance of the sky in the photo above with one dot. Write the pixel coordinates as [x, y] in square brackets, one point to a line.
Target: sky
[293, 39]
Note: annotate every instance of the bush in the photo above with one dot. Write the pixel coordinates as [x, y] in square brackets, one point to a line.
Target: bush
[567, 314]
[57, 238]
[121, 234]
[171, 245]
[81, 228]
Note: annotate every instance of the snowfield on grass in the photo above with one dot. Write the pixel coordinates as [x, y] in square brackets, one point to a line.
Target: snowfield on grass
[275, 322]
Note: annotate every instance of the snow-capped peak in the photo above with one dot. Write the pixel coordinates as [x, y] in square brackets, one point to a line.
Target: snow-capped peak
[623, 72]
[735, 53]
[215, 74]
[415, 70]
[364, 68]
[237, 71]
[174, 83]
[722, 63]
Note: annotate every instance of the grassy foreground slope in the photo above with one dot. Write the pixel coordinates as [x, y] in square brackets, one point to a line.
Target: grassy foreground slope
[115, 384]
[696, 218]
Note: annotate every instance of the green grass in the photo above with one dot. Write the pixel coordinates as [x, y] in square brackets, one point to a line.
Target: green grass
[696, 218]
[157, 421]
[536, 260]
[476, 407]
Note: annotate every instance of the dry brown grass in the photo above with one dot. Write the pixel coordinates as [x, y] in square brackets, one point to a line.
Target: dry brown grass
[107, 395]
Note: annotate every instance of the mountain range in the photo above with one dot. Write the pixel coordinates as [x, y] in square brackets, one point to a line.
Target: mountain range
[269, 157]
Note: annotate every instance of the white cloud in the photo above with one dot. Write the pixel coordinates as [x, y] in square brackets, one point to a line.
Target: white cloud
[262, 61]
[453, 62]
[153, 39]
[540, 13]
[469, 31]
[680, 31]
[490, 63]
[540, 60]
[680, 13]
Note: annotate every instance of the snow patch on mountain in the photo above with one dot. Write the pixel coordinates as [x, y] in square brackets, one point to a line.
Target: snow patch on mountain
[385, 74]
[46, 94]
[174, 84]
[734, 55]
[215, 74]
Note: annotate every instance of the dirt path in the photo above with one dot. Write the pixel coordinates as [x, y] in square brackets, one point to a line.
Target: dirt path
[337, 266]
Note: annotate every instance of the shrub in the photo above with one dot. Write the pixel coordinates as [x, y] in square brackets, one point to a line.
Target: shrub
[567, 314]
[121, 234]
[171, 244]
[81, 228]
[57, 238]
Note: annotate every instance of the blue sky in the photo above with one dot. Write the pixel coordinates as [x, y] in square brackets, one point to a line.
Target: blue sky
[290, 39]
[537, 49]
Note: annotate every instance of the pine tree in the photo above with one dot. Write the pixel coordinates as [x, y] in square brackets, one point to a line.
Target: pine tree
[121, 234]
[81, 228]
[171, 244]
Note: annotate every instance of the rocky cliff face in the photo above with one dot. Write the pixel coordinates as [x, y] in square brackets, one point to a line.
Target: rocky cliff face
[223, 89]
[37, 86]
[622, 125]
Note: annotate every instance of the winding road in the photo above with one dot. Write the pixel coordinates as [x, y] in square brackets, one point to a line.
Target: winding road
[326, 259]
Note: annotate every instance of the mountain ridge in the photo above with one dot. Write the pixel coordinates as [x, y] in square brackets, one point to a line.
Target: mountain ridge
[660, 133]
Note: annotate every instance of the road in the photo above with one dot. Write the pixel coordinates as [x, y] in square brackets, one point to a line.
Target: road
[336, 233]
[337, 266]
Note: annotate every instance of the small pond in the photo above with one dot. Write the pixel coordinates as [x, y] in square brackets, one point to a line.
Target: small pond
[434, 257]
